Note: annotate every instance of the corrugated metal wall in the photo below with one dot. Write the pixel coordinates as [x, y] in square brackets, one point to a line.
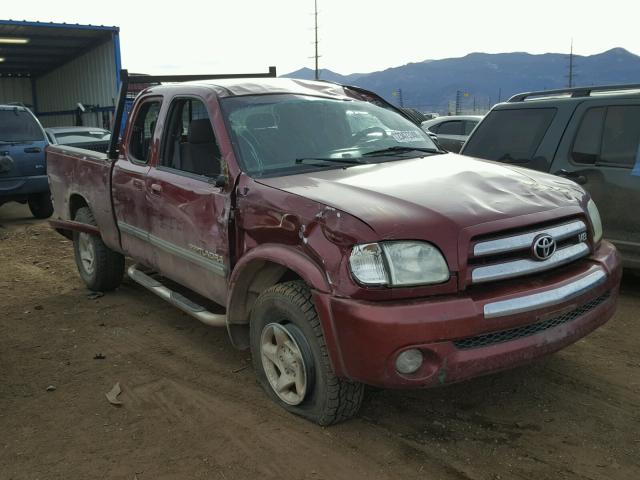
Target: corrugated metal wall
[89, 79]
[64, 121]
[15, 90]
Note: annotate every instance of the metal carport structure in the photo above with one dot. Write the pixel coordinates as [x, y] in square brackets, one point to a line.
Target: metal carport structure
[53, 67]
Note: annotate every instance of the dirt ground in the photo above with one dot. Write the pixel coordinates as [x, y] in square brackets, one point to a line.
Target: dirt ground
[192, 409]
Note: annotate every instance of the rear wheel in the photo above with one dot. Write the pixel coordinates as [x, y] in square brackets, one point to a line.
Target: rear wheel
[40, 205]
[291, 360]
[100, 267]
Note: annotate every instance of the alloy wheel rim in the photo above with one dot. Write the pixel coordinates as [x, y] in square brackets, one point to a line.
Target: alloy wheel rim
[87, 253]
[283, 364]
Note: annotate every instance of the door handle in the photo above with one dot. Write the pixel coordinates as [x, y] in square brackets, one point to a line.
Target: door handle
[575, 176]
[156, 188]
[32, 150]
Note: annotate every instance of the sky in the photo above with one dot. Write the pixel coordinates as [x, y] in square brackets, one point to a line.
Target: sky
[354, 35]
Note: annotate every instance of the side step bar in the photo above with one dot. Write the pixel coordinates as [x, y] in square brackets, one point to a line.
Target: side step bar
[174, 298]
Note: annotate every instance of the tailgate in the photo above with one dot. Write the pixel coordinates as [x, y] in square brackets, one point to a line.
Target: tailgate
[22, 160]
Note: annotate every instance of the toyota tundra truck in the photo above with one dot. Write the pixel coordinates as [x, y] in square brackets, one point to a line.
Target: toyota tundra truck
[330, 236]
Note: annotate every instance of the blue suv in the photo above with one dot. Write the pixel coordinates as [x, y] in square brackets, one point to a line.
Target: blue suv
[23, 173]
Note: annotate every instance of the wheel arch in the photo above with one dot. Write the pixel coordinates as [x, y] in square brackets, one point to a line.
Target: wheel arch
[258, 270]
[76, 202]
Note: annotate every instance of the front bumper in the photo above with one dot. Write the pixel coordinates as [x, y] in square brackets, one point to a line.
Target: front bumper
[17, 186]
[483, 330]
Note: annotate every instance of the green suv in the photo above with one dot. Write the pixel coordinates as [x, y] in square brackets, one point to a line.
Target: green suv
[590, 135]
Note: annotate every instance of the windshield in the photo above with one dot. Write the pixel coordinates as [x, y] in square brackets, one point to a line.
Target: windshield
[287, 134]
[69, 138]
[18, 125]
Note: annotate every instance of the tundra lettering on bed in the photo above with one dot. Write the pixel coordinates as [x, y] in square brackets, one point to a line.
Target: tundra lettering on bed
[342, 246]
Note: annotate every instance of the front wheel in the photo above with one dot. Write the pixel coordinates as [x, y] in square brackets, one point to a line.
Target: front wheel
[291, 360]
[100, 267]
[40, 205]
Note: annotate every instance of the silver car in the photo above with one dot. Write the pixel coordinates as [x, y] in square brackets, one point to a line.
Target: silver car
[452, 131]
[90, 138]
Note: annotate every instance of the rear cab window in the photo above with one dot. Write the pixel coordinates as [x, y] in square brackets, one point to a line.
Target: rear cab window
[18, 125]
[142, 130]
[510, 135]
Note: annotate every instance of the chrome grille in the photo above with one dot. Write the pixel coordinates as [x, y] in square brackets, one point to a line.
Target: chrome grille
[502, 336]
[510, 256]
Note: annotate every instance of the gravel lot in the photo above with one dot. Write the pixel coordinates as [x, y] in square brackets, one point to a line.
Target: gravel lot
[192, 409]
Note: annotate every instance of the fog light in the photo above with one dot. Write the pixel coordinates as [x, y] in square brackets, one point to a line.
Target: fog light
[409, 361]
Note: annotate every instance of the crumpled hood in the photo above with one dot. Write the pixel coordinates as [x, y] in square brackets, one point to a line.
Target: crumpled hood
[440, 191]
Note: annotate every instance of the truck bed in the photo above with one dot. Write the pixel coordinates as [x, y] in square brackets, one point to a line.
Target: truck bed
[78, 177]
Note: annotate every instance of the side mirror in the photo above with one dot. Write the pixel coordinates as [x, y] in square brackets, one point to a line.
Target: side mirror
[539, 163]
[434, 139]
[220, 181]
[575, 176]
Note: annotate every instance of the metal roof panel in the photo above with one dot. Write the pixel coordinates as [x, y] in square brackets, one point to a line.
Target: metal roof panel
[50, 45]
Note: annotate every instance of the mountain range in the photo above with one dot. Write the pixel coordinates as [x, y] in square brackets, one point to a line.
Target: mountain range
[483, 79]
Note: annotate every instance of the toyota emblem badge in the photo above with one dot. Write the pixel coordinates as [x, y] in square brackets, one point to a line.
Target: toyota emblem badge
[543, 246]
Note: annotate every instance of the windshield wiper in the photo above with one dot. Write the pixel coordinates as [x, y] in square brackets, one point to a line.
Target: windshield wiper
[345, 161]
[399, 149]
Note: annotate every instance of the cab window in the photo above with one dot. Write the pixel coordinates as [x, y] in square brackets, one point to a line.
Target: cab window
[189, 144]
[142, 130]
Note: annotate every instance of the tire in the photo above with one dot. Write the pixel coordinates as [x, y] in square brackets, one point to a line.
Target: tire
[40, 205]
[100, 268]
[288, 309]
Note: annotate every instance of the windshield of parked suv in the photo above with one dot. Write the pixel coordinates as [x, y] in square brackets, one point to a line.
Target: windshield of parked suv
[287, 134]
[18, 125]
[510, 135]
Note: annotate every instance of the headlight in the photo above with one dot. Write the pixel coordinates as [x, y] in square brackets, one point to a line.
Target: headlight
[398, 264]
[596, 222]
[367, 264]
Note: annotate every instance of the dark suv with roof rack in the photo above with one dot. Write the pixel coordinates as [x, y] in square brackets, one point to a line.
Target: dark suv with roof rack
[23, 172]
[590, 135]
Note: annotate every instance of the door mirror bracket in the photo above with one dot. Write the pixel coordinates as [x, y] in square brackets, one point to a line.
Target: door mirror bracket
[220, 181]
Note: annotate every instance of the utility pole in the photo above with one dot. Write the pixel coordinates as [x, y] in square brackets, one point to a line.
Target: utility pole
[458, 102]
[571, 65]
[315, 14]
[400, 97]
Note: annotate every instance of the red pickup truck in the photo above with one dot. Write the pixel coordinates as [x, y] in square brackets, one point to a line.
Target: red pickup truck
[332, 237]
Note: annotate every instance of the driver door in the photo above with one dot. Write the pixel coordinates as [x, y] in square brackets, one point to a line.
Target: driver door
[188, 213]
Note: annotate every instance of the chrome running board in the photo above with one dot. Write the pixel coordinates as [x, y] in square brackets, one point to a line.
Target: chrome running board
[177, 300]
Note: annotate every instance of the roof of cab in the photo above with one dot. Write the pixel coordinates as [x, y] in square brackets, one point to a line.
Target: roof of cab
[264, 86]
